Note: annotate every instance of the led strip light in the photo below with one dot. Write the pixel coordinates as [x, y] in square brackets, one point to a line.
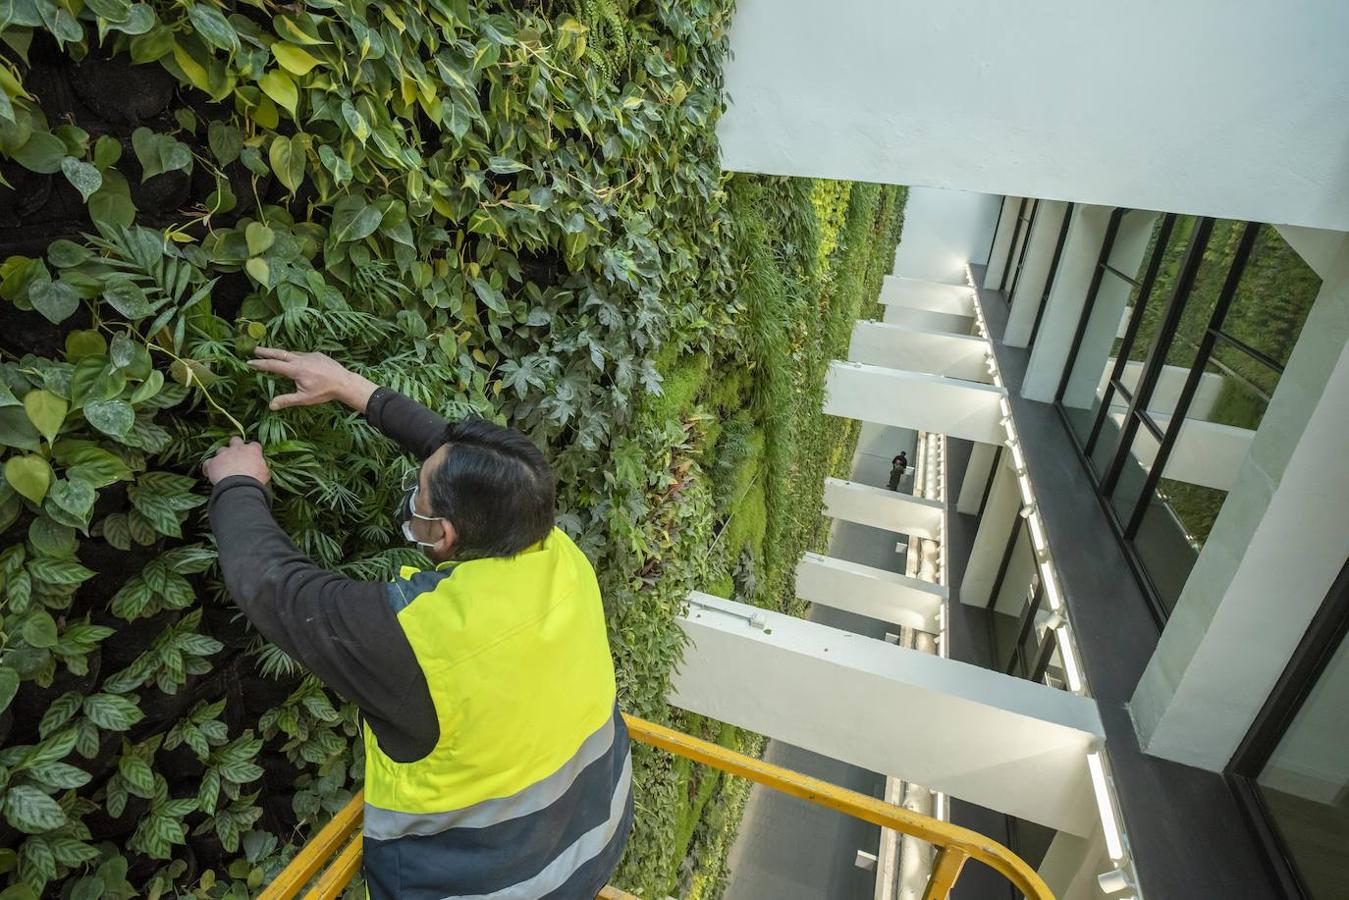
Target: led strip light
[1097, 763]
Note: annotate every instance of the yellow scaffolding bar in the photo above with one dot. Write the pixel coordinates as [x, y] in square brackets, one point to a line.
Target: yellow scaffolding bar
[340, 839]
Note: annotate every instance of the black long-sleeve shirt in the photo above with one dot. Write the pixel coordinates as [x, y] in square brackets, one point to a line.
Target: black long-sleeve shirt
[344, 630]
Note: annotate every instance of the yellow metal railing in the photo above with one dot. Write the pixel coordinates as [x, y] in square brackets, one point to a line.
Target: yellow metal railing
[340, 840]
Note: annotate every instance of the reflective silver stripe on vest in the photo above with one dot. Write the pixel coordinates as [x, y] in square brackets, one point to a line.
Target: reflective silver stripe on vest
[584, 849]
[387, 824]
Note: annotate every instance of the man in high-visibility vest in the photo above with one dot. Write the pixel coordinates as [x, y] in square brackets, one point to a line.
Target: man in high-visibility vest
[497, 764]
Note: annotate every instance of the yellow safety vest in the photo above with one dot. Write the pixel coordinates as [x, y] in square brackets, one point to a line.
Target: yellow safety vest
[527, 792]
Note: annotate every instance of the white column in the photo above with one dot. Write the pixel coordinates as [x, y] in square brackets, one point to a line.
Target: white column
[1126, 255]
[963, 409]
[997, 254]
[1005, 743]
[1004, 505]
[1064, 307]
[976, 478]
[1030, 284]
[920, 350]
[868, 591]
[879, 508]
[1277, 546]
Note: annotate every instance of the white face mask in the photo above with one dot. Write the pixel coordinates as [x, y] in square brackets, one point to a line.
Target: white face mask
[407, 511]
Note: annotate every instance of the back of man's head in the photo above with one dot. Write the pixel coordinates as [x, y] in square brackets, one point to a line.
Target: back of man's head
[495, 487]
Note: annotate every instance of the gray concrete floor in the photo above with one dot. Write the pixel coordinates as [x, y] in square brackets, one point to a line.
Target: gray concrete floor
[788, 849]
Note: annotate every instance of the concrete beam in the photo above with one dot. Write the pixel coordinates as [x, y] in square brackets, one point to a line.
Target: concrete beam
[927, 320]
[868, 591]
[1209, 454]
[1005, 743]
[935, 352]
[963, 409]
[934, 296]
[879, 508]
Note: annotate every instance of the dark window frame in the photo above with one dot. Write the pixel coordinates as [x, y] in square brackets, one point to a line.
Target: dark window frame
[1136, 414]
[1021, 219]
[1025, 246]
[1328, 629]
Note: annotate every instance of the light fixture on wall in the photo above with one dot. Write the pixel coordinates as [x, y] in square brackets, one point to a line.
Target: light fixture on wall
[1114, 881]
[1114, 843]
[1107, 808]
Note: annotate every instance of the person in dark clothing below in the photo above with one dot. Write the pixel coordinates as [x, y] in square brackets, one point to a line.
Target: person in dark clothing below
[496, 759]
[898, 466]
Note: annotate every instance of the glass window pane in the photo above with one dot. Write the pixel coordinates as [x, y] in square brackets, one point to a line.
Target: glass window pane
[1137, 464]
[1273, 298]
[1150, 317]
[1106, 441]
[1172, 531]
[1114, 303]
[1305, 784]
[1234, 389]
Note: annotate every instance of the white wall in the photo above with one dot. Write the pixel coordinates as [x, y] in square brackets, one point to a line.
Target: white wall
[1196, 107]
[942, 231]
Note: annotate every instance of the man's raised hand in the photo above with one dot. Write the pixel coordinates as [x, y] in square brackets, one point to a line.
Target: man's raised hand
[318, 378]
[237, 458]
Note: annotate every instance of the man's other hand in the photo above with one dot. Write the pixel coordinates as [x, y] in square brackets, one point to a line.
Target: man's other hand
[237, 459]
[318, 379]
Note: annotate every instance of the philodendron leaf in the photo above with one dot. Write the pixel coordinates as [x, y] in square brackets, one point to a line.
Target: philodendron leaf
[85, 177]
[146, 144]
[259, 238]
[225, 140]
[30, 475]
[281, 88]
[261, 272]
[112, 417]
[213, 27]
[287, 158]
[54, 299]
[42, 152]
[354, 219]
[293, 59]
[46, 411]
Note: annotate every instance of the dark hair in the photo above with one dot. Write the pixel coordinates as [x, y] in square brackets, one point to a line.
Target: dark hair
[495, 487]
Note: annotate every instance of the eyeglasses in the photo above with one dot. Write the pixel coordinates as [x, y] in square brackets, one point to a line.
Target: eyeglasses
[410, 479]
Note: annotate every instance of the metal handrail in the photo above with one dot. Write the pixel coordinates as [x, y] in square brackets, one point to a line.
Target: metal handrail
[340, 839]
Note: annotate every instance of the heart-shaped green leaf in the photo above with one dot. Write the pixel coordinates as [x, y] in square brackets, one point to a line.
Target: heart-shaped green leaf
[112, 417]
[56, 300]
[46, 411]
[259, 238]
[30, 475]
[83, 176]
[281, 88]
